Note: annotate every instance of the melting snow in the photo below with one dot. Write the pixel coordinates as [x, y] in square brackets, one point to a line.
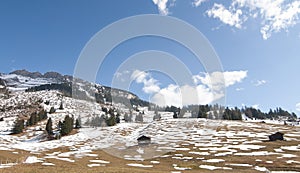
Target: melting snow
[140, 165]
[32, 159]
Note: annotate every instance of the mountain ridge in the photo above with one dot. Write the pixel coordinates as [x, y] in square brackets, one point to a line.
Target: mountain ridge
[72, 87]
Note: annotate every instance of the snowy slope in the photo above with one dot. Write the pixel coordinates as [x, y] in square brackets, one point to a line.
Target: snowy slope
[18, 83]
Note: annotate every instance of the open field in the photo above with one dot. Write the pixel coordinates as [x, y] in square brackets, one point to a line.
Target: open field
[184, 145]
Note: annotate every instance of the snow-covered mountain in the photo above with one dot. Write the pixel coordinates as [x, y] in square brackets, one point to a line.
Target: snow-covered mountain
[20, 80]
[23, 80]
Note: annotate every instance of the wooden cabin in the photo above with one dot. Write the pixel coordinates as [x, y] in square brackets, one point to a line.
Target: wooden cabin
[276, 136]
[144, 140]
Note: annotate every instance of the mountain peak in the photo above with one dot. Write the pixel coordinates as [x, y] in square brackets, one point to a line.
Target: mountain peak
[34, 75]
[26, 73]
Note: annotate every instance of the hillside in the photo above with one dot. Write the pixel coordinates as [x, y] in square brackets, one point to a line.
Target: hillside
[22, 80]
[106, 139]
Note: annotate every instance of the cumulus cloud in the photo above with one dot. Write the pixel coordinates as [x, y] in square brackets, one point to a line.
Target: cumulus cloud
[151, 85]
[260, 82]
[185, 95]
[216, 79]
[162, 6]
[227, 16]
[275, 15]
[207, 89]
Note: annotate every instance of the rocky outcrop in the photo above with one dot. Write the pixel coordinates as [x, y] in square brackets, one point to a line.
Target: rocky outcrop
[53, 75]
[27, 73]
[49, 75]
[2, 86]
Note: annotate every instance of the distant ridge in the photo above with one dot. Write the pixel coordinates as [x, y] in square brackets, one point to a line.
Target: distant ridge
[35, 75]
[23, 80]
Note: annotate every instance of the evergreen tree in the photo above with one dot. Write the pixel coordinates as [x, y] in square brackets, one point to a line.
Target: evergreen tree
[32, 120]
[61, 106]
[67, 125]
[157, 116]
[118, 120]
[111, 120]
[139, 118]
[49, 127]
[175, 115]
[78, 123]
[42, 115]
[104, 109]
[52, 110]
[59, 125]
[18, 126]
[130, 118]
[126, 118]
[232, 114]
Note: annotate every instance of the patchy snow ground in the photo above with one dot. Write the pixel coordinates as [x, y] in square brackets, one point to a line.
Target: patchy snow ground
[209, 142]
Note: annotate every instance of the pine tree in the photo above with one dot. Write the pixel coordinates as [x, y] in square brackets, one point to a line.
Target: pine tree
[43, 115]
[61, 107]
[139, 117]
[67, 126]
[49, 127]
[157, 116]
[78, 123]
[118, 118]
[127, 118]
[32, 120]
[52, 110]
[18, 127]
[111, 120]
[175, 115]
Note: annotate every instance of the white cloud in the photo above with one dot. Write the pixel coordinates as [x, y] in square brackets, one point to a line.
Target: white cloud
[229, 17]
[260, 82]
[151, 85]
[197, 3]
[275, 15]
[185, 95]
[207, 89]
[298, 107]
[216, 79]
[162, 6]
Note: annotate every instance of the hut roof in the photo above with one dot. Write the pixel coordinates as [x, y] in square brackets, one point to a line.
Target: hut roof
[143, 138]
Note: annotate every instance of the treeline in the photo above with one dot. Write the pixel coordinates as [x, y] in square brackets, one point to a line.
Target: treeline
[111, 118]
[197, 111]
[64, 127]
[272, 114]
[220, 112]
[36, 117]
[102, 95]
[65, 88]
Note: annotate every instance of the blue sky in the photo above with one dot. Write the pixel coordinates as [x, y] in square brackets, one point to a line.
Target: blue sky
[256, 41]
